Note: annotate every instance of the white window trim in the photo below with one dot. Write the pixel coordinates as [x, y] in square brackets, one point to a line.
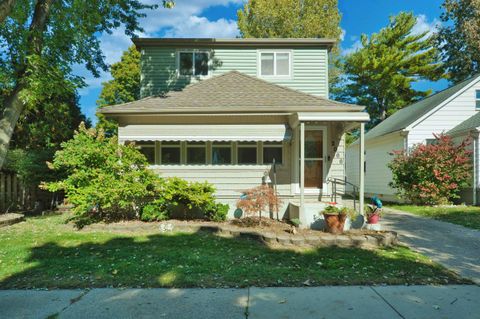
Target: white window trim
[193, 51]
[187, 146]
[222, 145]
[275, 76]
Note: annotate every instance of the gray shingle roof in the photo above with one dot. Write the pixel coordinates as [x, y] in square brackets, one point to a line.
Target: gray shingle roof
[406, 116]
[469, 124]
[231, 92]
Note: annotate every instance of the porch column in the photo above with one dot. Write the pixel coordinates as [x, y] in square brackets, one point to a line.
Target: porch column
[302, 172]
[362, 168]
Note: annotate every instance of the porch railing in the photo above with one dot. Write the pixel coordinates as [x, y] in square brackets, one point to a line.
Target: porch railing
[334, 194]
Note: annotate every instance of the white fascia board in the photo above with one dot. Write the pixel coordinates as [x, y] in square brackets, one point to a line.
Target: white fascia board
[435, 109]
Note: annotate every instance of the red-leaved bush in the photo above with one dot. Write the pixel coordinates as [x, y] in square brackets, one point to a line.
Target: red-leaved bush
[432, 174]
[257, 199]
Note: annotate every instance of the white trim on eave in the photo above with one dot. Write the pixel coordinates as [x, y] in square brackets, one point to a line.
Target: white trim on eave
[435, 109]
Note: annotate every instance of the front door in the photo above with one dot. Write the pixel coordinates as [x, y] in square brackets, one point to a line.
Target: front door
[314, 149]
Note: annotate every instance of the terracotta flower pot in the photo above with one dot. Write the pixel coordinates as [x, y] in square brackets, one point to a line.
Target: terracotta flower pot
[335, 222]
[373, 219]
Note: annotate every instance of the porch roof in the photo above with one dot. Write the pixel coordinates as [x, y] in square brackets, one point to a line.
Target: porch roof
[227, 93]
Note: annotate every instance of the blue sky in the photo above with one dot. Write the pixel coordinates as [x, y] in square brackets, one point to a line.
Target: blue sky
[217, 18]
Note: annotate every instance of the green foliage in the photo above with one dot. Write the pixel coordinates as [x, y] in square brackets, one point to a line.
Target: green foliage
[459, 38]
[31, 165]
[217, 212]
[432, 174]
[105, 180]
[124, 87]
[154, 211]
[350, 212]
[381, 73]
[293, 19]
[296, 222]
[331, 210]
[188, 200]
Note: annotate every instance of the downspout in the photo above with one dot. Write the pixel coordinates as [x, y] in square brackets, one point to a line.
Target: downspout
[404, 134]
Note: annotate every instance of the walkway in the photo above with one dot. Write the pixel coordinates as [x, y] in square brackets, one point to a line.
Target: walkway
[317, 302]
[454, 246]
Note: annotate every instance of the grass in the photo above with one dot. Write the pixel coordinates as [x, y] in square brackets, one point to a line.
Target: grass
[468, 216]
[44, 252]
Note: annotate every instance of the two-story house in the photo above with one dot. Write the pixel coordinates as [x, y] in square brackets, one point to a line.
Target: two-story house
[223, 110]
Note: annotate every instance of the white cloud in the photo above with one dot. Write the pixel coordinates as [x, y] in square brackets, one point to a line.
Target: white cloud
[184, 20]
[343, 33]
[423, 25]
[201, 27]
[354, 47]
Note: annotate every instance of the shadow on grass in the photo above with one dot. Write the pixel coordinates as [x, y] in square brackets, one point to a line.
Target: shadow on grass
[207, 260]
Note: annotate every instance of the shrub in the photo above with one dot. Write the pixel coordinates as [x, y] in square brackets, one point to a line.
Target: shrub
[105, 180]
[218, 212]
[432, 174]
[189, 200]
[154, 212]
[258, 199]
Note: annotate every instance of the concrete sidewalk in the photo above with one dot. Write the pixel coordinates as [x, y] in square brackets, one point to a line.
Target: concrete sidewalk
[454, 246]
[315, 302]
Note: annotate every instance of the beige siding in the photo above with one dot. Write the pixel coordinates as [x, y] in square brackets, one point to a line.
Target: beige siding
[445, 118]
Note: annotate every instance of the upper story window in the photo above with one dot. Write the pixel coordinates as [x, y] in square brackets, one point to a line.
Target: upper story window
[275, 64]
[193, 63]
[477, 101]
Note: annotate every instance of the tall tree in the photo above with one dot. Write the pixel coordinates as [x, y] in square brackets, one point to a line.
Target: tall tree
[124, 87]
[293, 19]
[459, 38]
[381, 73]
[41, 40]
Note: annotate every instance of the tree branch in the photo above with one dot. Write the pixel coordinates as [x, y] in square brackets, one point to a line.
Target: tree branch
[5, 9]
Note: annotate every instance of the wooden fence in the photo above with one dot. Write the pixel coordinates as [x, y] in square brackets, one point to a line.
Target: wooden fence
[14, 196]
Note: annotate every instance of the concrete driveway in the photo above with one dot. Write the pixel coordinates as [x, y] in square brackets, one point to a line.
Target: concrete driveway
[456, 247]
[370, 302]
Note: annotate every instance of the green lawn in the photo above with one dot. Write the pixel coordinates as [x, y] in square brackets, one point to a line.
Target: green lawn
[468, 216]
[43, 252]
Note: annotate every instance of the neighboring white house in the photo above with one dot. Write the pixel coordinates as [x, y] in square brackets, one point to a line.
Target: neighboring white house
[453, 110]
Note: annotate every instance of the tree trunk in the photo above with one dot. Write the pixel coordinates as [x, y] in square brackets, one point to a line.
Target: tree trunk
[11, 112]
[13, 104]
[5, 9]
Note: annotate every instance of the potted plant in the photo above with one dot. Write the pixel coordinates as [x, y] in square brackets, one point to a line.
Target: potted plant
[351, 216]
[373, 214]
[334, 219]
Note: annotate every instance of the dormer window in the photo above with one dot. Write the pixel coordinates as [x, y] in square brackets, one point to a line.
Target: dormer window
[193, 63]
[477, 100]
[275, 64]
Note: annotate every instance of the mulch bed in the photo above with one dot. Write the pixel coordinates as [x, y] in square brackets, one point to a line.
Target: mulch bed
[269, 231]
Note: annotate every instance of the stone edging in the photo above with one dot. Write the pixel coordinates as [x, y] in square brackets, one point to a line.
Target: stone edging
[10, 219]
[369, 240]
